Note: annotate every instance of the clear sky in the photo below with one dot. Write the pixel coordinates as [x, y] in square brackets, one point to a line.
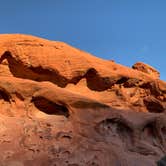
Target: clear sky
[126, 31]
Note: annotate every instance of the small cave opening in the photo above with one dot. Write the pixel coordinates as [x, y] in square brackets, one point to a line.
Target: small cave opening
[96, 82]
[122, 80]
[50, 107]
[149, 130]
[115, 128]
[4, 95]
[150, 134]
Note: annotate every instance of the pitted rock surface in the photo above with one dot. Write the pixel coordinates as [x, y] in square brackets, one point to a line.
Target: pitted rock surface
[60, 106]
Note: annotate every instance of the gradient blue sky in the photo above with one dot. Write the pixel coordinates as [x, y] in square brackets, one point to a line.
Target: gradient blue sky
[126, 31]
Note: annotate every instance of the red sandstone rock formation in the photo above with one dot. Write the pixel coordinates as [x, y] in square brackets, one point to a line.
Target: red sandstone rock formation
[147, 69]
[61, 106]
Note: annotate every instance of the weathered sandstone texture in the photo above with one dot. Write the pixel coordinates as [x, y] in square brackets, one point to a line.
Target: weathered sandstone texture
[60, 106]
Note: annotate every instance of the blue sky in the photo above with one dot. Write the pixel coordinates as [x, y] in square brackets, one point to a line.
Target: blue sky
[126, 31]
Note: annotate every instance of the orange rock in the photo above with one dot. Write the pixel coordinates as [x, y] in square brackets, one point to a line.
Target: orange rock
[62, 106]
[146, 69]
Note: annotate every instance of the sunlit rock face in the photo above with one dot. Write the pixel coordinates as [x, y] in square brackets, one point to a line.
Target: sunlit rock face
[60, 106]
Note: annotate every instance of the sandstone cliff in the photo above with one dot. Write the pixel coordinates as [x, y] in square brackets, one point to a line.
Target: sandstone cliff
[62, 106]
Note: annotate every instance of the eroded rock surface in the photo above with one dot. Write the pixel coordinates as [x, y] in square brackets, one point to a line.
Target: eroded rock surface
[147, 69]
[60, 106]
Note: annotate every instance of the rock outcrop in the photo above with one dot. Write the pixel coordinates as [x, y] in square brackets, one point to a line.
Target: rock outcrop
[147, 69]
[60, 106]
